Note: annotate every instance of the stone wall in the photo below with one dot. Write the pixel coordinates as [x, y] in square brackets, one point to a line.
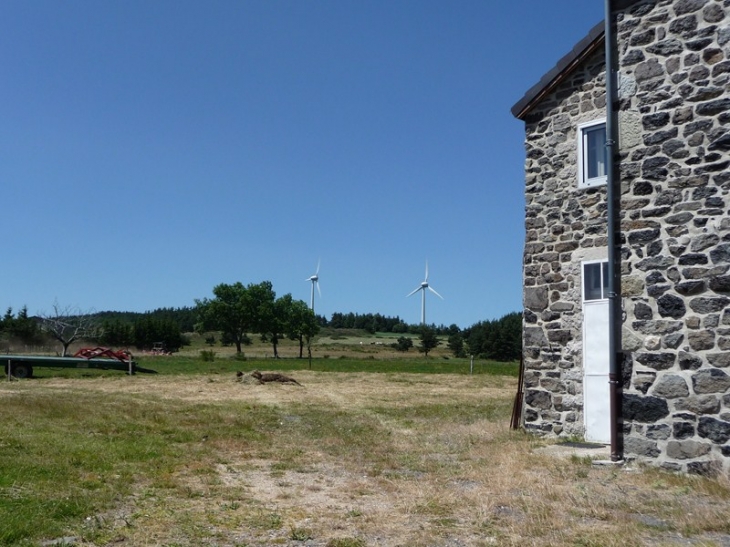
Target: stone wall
[564, 225]
[674, 63]
[674, 124]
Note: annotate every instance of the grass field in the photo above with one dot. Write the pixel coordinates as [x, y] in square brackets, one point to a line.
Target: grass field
[329, 344]
[342, 350]
[366, 453]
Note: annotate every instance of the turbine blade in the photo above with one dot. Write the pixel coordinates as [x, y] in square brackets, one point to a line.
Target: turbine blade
[426, 271]
[434, 292]
[318, 290]
[414, 292]
[318, 263]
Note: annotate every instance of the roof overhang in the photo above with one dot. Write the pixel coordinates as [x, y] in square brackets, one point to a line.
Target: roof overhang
[582, 50]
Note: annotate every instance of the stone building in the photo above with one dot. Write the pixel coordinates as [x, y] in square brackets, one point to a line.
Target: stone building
[670, 160]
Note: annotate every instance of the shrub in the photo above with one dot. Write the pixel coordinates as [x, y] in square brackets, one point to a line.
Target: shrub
[404, 343]
[207, 356]
[301, 534]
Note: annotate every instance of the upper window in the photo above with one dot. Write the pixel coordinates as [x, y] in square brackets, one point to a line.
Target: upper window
[592, 154]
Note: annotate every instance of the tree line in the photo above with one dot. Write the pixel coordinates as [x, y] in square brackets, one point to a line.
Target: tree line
[375, 322]
[67, 325]
[145, 332]
[236, 311]
[20, 326]
[500, 339]
[188, 317]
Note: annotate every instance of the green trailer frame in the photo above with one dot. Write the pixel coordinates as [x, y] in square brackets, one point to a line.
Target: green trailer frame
[21, 366]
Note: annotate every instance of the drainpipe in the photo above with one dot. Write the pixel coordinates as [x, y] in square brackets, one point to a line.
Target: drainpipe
[614, 242]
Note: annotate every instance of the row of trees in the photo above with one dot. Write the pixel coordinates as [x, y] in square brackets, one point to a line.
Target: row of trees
[375, 322]
[143, 333]
[184, 317]
[368, 322]
[238, 310]
[427, 337]
[19, 326]
[500, 339]
[61, 325]
[68, 325]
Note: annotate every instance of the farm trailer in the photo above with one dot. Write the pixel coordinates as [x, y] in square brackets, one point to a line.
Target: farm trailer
[21, 366]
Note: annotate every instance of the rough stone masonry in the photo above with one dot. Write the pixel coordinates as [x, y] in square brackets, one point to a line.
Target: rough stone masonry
[674, 168]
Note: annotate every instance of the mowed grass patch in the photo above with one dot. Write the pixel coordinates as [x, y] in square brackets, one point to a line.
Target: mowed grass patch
[68, 456]
[227, 364]
[350, 458]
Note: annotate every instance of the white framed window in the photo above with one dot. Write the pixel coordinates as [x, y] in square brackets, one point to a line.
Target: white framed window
[595, 280]
[592, 153]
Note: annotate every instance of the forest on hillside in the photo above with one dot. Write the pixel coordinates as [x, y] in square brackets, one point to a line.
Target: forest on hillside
[498, 339]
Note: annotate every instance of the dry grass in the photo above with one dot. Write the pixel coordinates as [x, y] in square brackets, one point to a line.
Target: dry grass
[332, 344]
[384, 460]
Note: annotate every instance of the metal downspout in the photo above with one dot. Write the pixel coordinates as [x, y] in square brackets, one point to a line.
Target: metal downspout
[614, 250]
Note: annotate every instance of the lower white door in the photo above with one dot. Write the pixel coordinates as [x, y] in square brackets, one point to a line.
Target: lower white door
[596, 391]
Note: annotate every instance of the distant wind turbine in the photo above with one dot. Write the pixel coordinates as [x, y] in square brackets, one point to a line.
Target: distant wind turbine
[422, 287]
[315, 281]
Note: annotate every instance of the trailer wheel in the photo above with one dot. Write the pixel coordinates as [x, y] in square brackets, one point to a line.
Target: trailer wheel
[21, 370]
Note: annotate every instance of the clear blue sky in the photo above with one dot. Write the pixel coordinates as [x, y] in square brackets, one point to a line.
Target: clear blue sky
[151, 150]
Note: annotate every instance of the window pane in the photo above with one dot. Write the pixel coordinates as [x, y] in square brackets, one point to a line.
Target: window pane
[592, 281]
[604, 269]
[595, 141]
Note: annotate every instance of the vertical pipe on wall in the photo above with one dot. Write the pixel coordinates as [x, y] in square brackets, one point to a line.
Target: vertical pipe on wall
[614, 255]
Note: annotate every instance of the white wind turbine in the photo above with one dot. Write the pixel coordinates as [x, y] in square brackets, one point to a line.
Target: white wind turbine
[315, 281]
[422, 287]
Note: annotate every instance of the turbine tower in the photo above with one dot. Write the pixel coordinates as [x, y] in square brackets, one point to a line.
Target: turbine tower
[422, 287]
[315, 281]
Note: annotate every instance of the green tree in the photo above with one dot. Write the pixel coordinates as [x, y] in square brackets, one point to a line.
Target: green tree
[227, 340]
[428, 340]
[456, 344]
[116, 333]
[261, 305]
[7, 320]
[227, 312]
[150, 330]
[499, 339]
[303, 325]
[276, 323]
[404, 343]
[22, 327]
[236, 310]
